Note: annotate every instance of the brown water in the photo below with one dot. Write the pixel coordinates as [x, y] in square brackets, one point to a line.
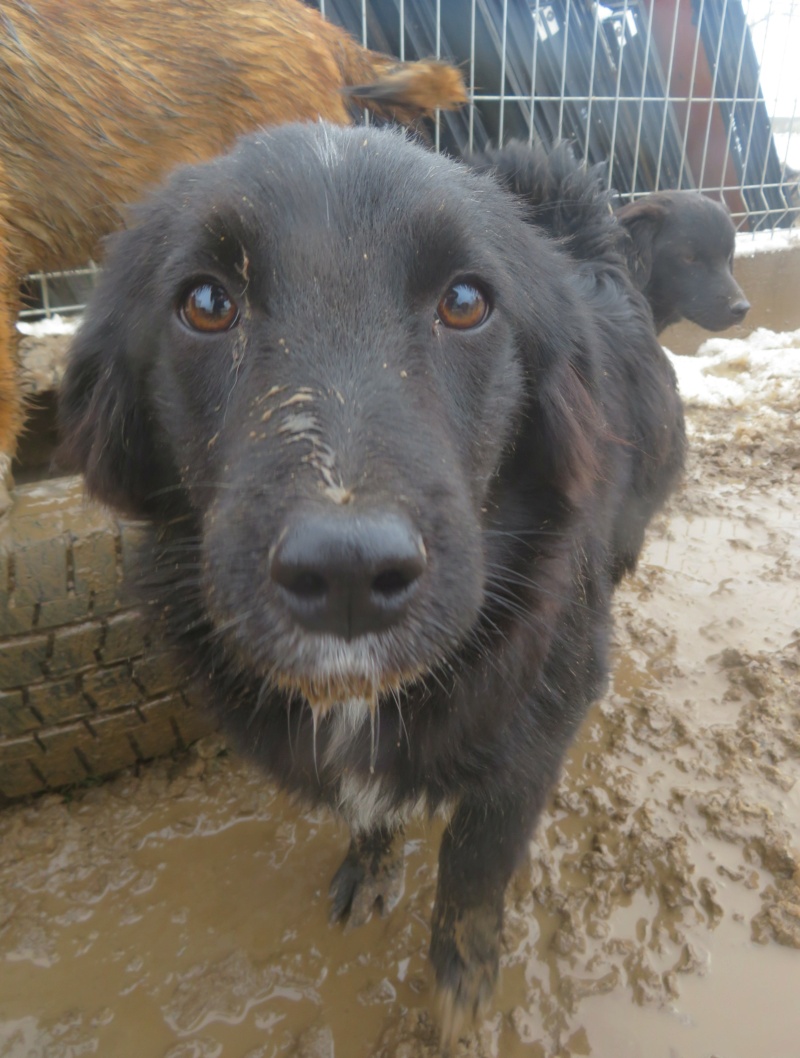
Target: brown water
[182, 913]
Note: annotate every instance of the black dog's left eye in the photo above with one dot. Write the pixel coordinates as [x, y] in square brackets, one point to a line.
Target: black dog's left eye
[208, 307]
[463, 307]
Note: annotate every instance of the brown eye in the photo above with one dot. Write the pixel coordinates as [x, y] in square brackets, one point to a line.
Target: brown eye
[463, 306]
[208, 308]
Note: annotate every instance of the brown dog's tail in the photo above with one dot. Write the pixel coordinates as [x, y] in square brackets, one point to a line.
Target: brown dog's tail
[401, 91]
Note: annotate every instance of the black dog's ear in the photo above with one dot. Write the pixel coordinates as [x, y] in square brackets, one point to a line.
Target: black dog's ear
[103, 424]
[106, 427]
[559, 445]
[642, 221]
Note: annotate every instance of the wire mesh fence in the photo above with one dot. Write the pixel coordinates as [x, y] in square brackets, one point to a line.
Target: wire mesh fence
[670, 94]
[64, 293]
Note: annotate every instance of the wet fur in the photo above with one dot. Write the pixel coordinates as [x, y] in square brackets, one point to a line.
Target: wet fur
[529, 453]
[678, 244]
[100, 99]
[562, 198]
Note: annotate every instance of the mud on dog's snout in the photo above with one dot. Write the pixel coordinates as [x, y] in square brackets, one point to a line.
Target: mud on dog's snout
[348, 574]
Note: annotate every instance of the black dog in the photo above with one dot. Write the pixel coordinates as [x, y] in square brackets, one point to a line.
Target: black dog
[681, 257]
[562, 198]
[398, 448]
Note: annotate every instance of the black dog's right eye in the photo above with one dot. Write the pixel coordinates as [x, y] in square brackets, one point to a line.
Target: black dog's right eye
[463, 307]
[208, 307]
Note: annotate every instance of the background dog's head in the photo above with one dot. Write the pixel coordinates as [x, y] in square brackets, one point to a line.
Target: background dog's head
[328, 356]
[681, 256]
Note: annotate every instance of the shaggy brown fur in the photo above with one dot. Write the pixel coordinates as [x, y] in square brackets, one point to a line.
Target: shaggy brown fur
[100, 98]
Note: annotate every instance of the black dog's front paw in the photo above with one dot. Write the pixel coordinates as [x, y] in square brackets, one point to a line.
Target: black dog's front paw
[465, 952]
[372, 874]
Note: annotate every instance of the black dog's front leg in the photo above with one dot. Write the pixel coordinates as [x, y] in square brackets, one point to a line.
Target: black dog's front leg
[480, 850]
[372, 874]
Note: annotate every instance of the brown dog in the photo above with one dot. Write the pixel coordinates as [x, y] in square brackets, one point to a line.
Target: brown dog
[100, 98]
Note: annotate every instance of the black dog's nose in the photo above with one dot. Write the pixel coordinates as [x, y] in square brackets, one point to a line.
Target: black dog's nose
[348, 574]
[739, 309]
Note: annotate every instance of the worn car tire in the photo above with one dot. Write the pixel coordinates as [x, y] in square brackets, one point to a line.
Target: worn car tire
[82, 691]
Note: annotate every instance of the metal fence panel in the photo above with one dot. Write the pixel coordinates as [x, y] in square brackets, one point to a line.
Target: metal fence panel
[667, 92]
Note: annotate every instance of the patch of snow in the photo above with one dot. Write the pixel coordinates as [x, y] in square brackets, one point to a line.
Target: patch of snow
[750, 243]
[762, 369]
[787, 145]
[55, 325]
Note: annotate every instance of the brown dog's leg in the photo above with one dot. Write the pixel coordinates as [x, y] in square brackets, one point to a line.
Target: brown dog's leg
[10, 401]
[372, 874]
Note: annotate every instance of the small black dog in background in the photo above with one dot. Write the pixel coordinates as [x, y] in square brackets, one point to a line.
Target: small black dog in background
[397, 447]
[681, 257]
[679, 245]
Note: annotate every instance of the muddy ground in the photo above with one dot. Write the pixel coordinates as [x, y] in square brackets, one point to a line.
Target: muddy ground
[181, 912]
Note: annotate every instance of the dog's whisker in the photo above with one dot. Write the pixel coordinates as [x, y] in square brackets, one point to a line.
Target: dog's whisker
[262, 692]
[314, 722]
[506, 577]
[374, 732]
[395, 694]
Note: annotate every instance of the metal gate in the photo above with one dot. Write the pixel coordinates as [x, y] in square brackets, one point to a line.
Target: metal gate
[668, 92]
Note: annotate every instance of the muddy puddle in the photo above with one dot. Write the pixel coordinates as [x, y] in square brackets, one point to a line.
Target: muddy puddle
[181, 913]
